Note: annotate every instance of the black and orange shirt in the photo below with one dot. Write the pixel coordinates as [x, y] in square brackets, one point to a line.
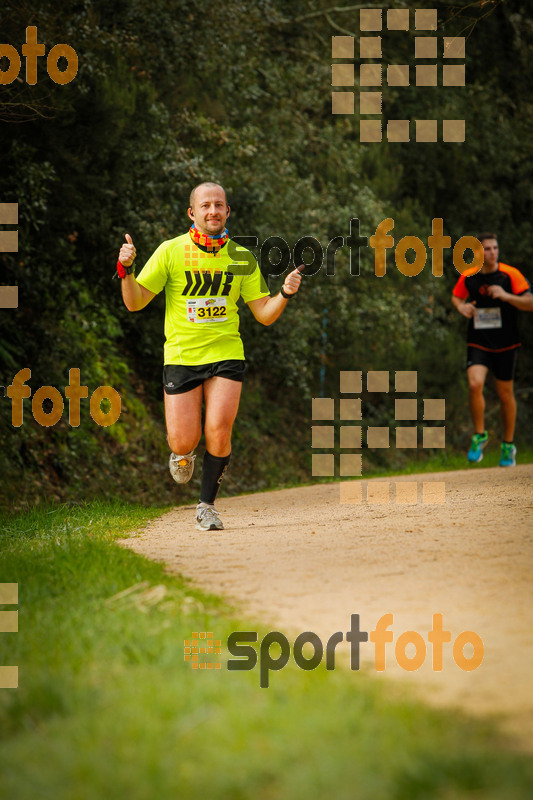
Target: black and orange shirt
[495, 325]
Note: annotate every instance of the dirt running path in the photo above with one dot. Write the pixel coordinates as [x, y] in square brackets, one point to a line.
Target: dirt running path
[300, 560]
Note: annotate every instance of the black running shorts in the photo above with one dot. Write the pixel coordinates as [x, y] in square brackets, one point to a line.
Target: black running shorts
[502, 365]
[178, 379]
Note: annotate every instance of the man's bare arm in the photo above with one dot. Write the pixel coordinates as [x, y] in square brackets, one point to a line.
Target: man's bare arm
[266, 310]
[134, 295]
[468, 310]
[522, 301]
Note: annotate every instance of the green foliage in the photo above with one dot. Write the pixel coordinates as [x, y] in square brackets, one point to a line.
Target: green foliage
[163, 99]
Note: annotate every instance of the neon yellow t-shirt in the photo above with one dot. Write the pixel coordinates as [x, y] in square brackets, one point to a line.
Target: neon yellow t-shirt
[201, 293]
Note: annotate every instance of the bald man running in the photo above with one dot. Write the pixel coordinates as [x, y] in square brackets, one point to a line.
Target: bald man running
[204, 356]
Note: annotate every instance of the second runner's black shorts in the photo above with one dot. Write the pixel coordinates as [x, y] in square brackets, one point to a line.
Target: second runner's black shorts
[178, 379]
[502, 365]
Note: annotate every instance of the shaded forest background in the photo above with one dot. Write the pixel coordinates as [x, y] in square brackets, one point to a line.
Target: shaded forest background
[170, 93]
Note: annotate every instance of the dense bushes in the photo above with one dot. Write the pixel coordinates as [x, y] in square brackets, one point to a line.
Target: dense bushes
[168, 94]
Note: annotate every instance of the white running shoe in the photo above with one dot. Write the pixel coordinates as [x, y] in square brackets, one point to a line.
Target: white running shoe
[207, 519]
[181, 467]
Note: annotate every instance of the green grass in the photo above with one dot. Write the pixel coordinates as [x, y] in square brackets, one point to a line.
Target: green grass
[443, 461]
[440, 461]
[107, 707]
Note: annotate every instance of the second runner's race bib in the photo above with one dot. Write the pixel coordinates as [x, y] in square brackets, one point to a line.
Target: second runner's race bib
[488, 318]
[207, 309]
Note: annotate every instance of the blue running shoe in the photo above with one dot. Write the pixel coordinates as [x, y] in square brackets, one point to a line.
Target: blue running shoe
[508, 455]
[479, 440]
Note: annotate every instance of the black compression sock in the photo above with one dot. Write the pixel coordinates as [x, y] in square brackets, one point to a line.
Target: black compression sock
[213, 469]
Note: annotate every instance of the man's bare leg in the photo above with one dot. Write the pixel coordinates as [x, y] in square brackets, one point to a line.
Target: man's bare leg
[477, 374]
[222, 397]
[183, 415]
[507, 408]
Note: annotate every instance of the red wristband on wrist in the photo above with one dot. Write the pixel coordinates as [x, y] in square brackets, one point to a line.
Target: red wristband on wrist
[122, 270]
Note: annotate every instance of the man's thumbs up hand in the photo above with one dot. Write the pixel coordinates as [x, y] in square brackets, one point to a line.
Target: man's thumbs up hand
[127, 252]
[126, 257]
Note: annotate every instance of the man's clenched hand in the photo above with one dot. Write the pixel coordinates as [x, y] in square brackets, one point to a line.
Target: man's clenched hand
[127, 252]
[293, 280]
[468, 310]
[497, 292]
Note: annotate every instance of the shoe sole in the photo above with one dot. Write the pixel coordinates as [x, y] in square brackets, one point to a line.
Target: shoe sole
[176, 477]
[180, 481]
[211, 528]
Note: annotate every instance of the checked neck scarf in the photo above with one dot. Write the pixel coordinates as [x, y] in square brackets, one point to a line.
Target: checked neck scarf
[209, 244]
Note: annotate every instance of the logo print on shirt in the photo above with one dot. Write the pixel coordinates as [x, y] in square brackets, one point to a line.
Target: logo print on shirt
[200, 284]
